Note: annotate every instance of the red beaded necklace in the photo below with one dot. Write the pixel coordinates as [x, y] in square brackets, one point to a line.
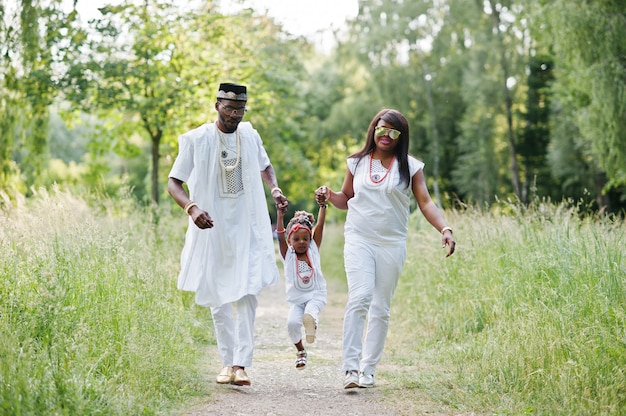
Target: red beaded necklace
[310, 263]
[386, 173]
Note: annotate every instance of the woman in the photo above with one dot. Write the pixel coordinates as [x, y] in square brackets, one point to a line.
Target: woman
[376, 191]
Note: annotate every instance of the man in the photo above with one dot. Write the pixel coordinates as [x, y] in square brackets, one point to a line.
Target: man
[229, 254]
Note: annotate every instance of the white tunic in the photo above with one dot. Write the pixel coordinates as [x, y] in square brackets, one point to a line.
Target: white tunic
[301, 291]
[379, 212]
[236, 257]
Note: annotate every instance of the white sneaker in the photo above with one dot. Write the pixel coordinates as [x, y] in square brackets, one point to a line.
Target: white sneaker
[351, 380]
[366, 380]
[309, 327]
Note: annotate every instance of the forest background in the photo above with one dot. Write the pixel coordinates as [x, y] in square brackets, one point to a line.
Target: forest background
[507, 100]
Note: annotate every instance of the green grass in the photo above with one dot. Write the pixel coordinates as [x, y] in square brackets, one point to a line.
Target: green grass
[91, 322]
[528, 317]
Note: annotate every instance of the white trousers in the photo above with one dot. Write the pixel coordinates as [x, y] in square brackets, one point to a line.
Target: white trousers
[372, 273]
[294, 318]
[235, 335]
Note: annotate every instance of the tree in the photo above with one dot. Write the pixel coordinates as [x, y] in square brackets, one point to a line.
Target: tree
[30, 37]
[495, 11]
[156, 67]
[536, 130]
[140, 63]
[588, 43]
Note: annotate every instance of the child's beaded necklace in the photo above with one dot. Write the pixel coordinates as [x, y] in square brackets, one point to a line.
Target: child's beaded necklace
[309, 263]
[295, 228]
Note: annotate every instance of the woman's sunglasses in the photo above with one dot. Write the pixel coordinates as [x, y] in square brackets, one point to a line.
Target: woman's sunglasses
[392, 133]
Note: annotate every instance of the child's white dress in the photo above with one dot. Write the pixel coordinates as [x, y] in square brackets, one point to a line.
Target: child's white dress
[306, 289]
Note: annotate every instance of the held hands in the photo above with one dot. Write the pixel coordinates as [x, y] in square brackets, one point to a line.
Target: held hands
[322, 195]
[281, 200]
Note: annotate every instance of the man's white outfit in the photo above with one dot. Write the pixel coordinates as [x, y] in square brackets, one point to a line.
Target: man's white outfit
[305, 287]
[234, 260]
[374, 254]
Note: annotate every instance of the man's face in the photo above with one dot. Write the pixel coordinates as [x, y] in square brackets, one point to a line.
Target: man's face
[230, 113]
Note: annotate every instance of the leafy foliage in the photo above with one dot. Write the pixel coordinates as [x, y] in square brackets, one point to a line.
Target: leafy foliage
[504, 98]
[592, 69]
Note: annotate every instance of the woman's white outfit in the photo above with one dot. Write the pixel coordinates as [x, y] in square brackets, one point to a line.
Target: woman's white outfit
[305, 287]
[374, 254]
[234, 260]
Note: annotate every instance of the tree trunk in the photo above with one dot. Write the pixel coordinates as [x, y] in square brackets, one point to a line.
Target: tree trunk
[435, 136]
[602, 199]
[495, 16]
[156, 141]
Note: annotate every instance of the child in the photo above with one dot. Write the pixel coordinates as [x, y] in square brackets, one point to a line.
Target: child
[304, 281]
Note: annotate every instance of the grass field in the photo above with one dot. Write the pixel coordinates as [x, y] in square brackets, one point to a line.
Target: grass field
[528, 317]
[91, 321]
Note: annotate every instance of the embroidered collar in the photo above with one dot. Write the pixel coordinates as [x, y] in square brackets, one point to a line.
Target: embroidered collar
[379, 180]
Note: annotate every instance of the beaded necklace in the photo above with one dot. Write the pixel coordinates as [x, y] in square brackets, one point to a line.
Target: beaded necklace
[233, 167]
[386, 173]
[305, 279]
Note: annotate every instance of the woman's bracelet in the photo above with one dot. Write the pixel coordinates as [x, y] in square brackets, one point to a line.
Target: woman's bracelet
[280, 231]
[276, 189]
[188, 206]
[444, 229]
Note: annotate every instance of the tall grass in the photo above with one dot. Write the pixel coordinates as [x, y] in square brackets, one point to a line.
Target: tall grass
[529, 316]
[91, 322]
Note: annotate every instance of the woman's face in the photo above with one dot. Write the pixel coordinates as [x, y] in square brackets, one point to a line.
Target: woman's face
[386, 137]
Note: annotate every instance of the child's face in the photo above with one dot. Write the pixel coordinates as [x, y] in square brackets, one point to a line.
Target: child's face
[300, 240]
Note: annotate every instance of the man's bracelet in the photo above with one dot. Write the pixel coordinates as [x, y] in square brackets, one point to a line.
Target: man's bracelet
[188, 206]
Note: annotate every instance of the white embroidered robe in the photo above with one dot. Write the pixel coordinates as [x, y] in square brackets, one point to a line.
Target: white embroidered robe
[236, 257]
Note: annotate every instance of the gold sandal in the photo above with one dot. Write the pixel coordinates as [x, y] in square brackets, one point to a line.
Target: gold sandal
[301, 360]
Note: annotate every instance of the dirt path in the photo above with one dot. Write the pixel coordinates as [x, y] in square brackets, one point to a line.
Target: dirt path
[277, 387]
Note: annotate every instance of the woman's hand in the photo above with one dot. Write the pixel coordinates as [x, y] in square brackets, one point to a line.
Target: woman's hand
[448, 240]
[322, 195]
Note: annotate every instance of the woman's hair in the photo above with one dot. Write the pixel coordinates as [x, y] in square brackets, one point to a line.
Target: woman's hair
[400, 123]
[301, 217]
